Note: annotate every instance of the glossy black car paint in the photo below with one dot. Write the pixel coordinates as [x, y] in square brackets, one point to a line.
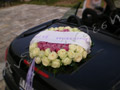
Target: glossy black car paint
[100, 72]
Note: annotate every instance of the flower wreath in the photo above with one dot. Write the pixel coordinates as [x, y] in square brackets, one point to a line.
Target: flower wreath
[56, 52]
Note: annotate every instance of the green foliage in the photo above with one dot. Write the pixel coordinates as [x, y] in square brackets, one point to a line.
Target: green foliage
[64, 3]
[39, 2]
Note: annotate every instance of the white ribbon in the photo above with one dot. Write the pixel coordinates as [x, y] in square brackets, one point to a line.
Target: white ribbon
[80, 38]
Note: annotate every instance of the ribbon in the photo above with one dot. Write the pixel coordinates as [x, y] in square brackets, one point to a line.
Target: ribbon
[30, 76]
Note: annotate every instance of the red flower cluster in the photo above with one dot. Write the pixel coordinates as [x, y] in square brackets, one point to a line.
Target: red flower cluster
[65, 30]
[53, 46]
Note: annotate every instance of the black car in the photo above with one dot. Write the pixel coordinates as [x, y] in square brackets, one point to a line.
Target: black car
[100, 72]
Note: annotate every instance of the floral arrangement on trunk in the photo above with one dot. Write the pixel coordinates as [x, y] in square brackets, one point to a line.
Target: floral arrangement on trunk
[60, 46]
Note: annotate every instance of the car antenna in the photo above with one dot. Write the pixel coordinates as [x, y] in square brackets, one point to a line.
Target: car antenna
[77, 8]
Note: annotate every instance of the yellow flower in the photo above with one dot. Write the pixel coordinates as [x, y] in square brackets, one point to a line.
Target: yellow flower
[71, 54]
[32, 46]
[79, 49]
[37, 60]
[35, 52]
[67, 61]
[47, 51]
[41, 53]
[62, 53]
[84, 54]
[72, 47]
[45, 61]
[78, 57]
[53, 56]
[56, 63]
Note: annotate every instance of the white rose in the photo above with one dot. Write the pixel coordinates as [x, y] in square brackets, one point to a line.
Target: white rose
[32, 46]
[45, 61]
[60, 28]
[62, 53]
[79, 49]
[51, 29]
[47, 51]
[41, 53]
[67, 61]
[36, 52]
[84, 54]
[72, 47]
[67, 27]
[76, 30]
[55, 28]
[71, 54]
[53, 56]
[56, 63]
[78, 57]
[38, 60]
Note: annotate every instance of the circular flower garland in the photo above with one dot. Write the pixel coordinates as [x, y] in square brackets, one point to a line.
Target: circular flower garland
[56, 55]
